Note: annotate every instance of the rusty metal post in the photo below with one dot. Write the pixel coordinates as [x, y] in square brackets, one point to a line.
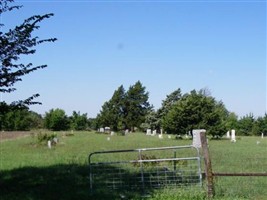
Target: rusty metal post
[208, 168]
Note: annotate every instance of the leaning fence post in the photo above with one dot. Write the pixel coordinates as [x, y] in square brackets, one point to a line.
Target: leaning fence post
[207, 161]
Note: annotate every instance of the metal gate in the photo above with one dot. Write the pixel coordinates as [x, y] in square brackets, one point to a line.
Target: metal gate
[146, 168]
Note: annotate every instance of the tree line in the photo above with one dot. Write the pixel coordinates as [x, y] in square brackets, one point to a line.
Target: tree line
[20, 118]
[130, 109]
[178, 114]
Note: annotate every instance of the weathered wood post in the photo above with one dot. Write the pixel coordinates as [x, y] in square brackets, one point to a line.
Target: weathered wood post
[208, 168]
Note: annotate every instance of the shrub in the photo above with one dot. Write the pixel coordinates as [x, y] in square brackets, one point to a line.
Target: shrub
[44, 137]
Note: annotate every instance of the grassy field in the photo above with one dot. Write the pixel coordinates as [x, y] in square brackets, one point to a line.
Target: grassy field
[30, 170]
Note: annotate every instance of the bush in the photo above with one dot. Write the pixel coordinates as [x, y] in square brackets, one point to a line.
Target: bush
[44, 137]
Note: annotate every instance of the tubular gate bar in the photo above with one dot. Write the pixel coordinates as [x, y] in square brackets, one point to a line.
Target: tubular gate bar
[146, 168]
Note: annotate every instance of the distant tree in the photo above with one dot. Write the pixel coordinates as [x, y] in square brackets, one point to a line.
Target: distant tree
[14, 44]
[260, 126]
[112, 111]
[231, 121]
[136, 106]
[18, 118]
[168, 103]
[56, 120]
[117, 109]
[125, 109]
[93, 123]
[245, 124]
[78, 121]
[152, 120]
[196, 110]
[37, 120]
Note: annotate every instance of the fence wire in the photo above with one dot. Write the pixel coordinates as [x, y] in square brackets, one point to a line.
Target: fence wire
[240, 168]
[145, 173]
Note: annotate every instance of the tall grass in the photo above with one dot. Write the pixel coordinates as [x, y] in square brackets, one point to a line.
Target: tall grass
[30, 170]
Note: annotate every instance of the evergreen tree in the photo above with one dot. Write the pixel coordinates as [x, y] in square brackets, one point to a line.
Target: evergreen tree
[245, 124]
[169, 102]
[136, 106]
[125, 109]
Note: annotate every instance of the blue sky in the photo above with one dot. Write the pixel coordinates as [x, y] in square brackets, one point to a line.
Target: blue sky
[219, 45]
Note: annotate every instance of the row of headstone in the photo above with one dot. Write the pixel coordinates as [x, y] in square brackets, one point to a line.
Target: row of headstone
[150, 132]
[231, 136]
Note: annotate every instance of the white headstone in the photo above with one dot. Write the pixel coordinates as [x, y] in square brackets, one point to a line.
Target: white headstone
[101, 130]
[233, 136]
[49, 144]
[154, 132]
[148, 131]
[161, 131]
[228, 134]
[196, 137]
[112, 133]
[160, 136]
[55, 140]
[169, 136]
[262, 135]
[126, 131]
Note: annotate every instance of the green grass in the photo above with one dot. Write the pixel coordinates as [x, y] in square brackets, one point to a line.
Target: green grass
[30, 170]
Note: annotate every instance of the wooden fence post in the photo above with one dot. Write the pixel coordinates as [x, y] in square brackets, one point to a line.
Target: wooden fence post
[208, 169]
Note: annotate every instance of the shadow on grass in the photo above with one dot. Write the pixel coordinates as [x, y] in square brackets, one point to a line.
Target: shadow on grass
[53, 182]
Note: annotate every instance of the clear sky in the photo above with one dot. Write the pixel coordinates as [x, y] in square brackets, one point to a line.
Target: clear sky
[219, 45]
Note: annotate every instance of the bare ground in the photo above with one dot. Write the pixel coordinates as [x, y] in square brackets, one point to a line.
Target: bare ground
[9, 135]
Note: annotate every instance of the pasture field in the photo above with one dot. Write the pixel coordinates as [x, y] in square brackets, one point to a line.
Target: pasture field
[29, 170]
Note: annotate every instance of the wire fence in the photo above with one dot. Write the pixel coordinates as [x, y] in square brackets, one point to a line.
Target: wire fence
[240, 169]
[152, 168]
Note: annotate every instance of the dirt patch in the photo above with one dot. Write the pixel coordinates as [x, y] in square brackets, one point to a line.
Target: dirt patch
[9, 135]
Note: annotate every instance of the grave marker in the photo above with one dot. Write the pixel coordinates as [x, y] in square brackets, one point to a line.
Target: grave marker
[196, 137]
[228, 134]
[233, 136]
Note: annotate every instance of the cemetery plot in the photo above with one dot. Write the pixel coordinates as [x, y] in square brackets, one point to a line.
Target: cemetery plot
[145, 169]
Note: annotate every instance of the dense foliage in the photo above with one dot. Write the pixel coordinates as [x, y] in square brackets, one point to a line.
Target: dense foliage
[196, 110]
[18, 118]
[125, 110]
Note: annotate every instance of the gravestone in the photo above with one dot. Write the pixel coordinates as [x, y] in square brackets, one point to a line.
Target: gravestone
[148, 131]
[112, 133]
[49, 144]
[262, 135]
[154, 133]
[101, 130]
[126, 131]
[196, 137]
[107, 129]
[228, 134]
[233, 136]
